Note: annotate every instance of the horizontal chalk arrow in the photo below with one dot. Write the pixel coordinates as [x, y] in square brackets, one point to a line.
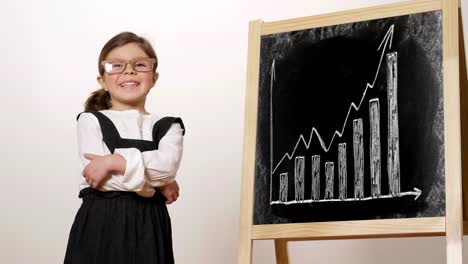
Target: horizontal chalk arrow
[417, 192]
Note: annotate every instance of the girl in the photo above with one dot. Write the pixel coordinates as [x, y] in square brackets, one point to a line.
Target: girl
[129, 159]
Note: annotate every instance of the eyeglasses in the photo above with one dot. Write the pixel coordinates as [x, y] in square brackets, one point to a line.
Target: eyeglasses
[138, 64]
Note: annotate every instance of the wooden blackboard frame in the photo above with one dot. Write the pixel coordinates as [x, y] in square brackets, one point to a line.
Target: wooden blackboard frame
[450, 226]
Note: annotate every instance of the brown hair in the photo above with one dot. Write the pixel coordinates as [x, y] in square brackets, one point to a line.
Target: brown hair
[100, 99]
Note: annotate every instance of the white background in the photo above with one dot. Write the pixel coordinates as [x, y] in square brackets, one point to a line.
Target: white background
[49, 52]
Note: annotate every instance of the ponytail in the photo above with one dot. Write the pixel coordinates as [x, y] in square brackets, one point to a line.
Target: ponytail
[98, 100]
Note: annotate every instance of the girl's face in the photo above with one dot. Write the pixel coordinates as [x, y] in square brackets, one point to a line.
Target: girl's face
[130, 87]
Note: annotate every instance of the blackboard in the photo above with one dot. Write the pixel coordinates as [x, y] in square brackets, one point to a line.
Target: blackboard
[350, 122]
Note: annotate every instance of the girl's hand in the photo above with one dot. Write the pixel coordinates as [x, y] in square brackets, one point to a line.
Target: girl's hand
[101, 167]
[170, 191]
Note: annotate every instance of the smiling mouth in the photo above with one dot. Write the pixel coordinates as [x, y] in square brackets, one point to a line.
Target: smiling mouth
[129, 84]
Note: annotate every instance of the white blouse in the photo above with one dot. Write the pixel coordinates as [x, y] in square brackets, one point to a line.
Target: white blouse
[144, 170]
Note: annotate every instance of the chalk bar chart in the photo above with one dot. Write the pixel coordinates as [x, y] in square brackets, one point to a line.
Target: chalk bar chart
[358, 148]
[350, 122]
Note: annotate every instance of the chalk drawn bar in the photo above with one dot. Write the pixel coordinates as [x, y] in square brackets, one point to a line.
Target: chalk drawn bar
[329, 175]
[342, 171]
[393, 154]
[299, 178]
[358, 150]
[283, 187]
[316, 177]
[375, 159]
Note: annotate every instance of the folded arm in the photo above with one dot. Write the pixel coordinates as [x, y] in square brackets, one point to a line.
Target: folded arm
[161, 165]
[154, 168]
[122, 177]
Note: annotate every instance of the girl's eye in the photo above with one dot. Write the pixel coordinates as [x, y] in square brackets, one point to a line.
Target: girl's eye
[116, 65]
[141, 65]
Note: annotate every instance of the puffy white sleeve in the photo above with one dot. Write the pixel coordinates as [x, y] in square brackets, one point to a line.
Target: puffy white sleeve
[161, 165]
[90, 140]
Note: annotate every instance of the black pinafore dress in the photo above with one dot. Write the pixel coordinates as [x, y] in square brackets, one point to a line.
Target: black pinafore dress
[122, 227]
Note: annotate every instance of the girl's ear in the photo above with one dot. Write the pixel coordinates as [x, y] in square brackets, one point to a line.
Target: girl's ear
[155, 77]
[101, 82]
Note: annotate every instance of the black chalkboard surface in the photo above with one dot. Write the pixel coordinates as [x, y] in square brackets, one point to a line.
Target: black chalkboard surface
[350, 122]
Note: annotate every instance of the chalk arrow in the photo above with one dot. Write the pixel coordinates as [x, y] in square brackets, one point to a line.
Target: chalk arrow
[417, 192]
[386, 42]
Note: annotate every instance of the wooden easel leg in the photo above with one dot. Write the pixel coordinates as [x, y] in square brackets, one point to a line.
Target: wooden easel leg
[281, 250]
[245, 251]
[464, 115]
[452, 116]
